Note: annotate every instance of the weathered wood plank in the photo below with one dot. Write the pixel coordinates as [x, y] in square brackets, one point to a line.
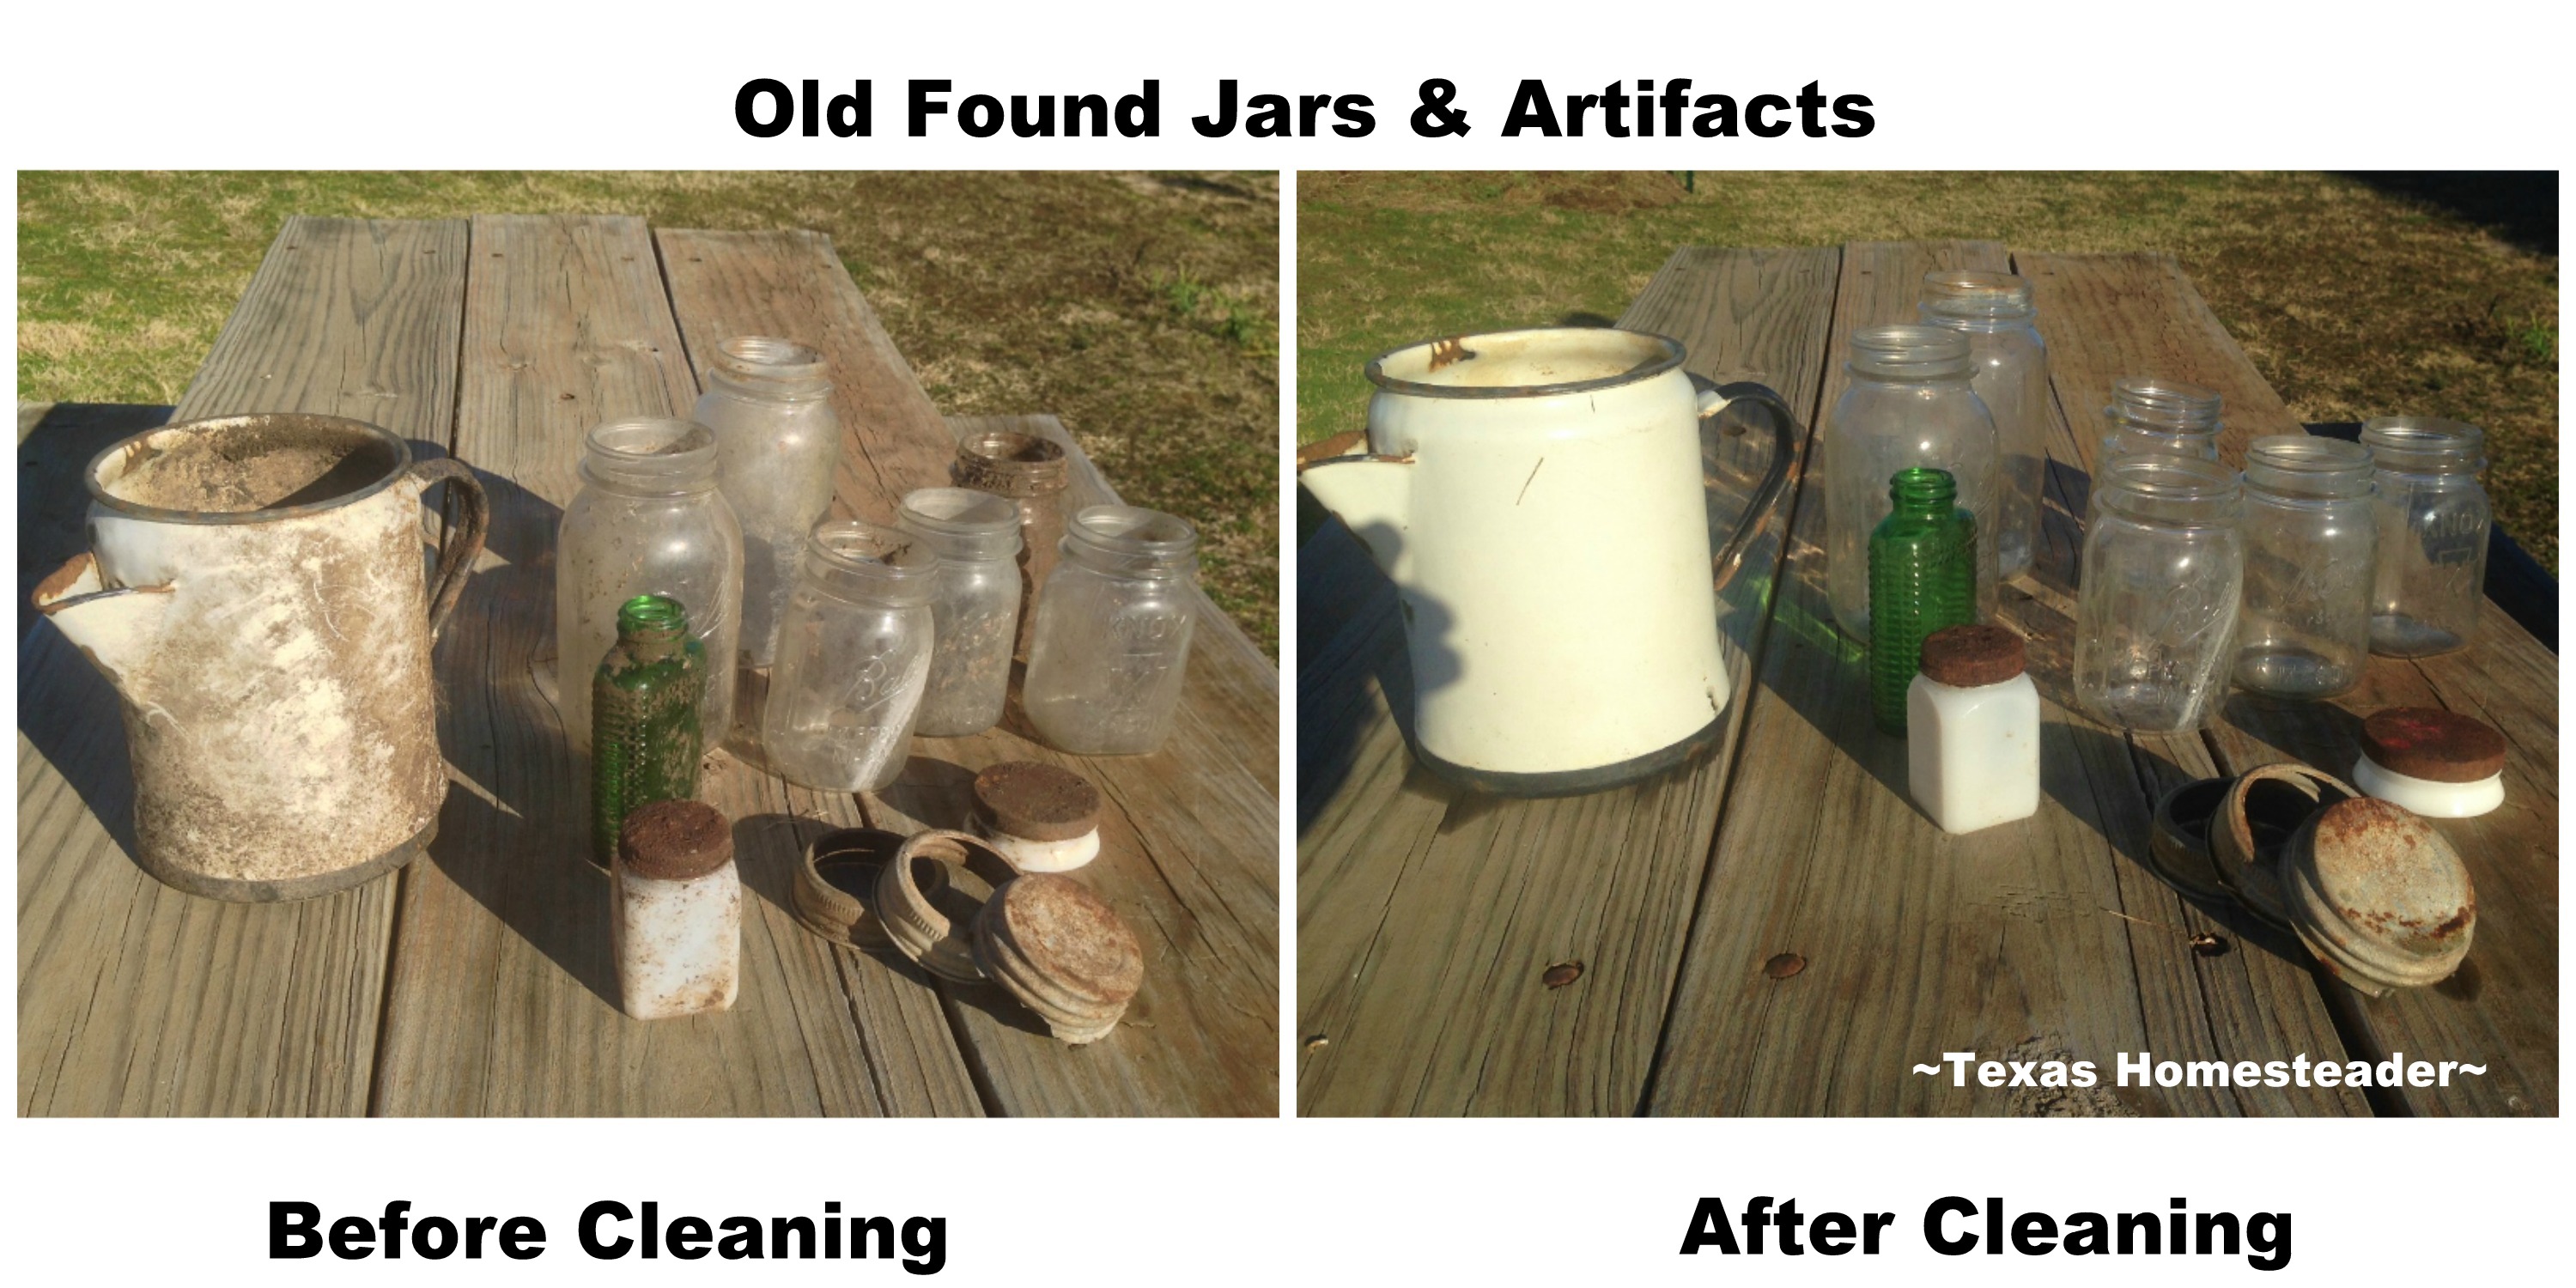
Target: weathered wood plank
[2110, 316]
[132, 997]
[1421, 962]
[502, 998]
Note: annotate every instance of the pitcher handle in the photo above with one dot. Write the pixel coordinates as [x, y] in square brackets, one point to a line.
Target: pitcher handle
[456, 560]
[1775, 479]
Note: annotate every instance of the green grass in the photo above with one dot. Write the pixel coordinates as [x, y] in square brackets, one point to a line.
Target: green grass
[2353, 300]
[1142, 309]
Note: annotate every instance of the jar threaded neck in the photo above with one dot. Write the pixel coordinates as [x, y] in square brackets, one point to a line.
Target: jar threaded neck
[1917, 490]
[1906, 351]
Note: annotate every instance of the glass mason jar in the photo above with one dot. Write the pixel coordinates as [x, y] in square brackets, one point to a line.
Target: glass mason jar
[1031, 472]
[975, 607]
[2008, 367]
[1113, 635]
[1909, 406]
[777, 442]
[2150, 415]
[2164, 564]
[853, 654]
[647, 521]
[2303, 626]
[2433, 521]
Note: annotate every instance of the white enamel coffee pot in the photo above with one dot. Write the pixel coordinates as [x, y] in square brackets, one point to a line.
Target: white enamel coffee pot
[1537, 497]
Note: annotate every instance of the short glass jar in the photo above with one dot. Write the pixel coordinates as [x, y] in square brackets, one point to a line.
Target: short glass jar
[2433, 521]
[975, 608]
[853, 654]
[1113, 637]
[1032, 473]
[777, 442]
[2303, 626]
[2153, 416]
[2008, 368]
[1909, 406]
[2163, 569]
[648, 520]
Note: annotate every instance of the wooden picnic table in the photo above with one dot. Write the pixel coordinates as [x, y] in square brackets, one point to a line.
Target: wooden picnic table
[1427, 916]
[478, 981]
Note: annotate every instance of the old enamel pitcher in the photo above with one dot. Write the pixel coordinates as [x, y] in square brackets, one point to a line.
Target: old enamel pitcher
[255, 593]
[1538, 499]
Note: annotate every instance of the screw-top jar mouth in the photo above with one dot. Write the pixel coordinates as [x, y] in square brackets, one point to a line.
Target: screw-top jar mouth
[2156, 404]
[771, 367]
[2425, 444]
[1976, 294]
[1904, 351]
[652, 617]
[1008, 463]
[1923, 489]
[850, 557]
[962, 523]
[2303, 466]
[2184, 490]
[1131, 540]
[657, 457]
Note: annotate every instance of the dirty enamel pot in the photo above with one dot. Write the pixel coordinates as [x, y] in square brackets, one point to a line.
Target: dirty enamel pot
[256, 596]
[2379, 896]
[1537, 497]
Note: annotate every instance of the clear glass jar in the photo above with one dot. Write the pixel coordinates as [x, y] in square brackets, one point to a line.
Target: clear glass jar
[2164, 566]
[2433, 520]
[1909, 406]
[647, 521]
[853, 654]
[2303, 625]
[1031, 472]
[770, 406]
[975, 608]
[2153, 416]
[2008, 367]
[1113, 636]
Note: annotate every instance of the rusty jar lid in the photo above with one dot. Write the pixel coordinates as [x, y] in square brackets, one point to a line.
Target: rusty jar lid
[674, 840]
[2178, 848]
[927, 897]
[1036, 802]
[1968, 657]
[2379, 896]
[836, 880]
[2262, 810]
[2433, 744]
[1063, 952]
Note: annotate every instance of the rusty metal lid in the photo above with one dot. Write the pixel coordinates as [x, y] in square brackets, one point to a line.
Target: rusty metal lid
[2257, 817]
[836, 880]
[2433, 744]
[1966, 657]
[1037, 802]
[929, 893]
[2379, 896]
[2178, 848]
[674, 840]
[1063, 952]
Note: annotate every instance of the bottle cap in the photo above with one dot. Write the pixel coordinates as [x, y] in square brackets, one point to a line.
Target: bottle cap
[1965, 657]
[2433, 744]
[674, 840]
[1063, 952]
[1036, 802]
[2379, 896]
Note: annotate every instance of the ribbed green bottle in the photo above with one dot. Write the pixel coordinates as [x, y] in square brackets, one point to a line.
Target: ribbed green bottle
[644, 737]
[1922, 577]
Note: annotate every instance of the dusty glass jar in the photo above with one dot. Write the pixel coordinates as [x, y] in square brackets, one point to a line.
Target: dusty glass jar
[2150, 415]
[647, 521]
[2008, 367]
[1909, 406]
[853, 653]
[2164, 565]
[2303, 625]
[1113, 635]
[2433, 521]
[1031, 472]
[975, 608]
[777, 441]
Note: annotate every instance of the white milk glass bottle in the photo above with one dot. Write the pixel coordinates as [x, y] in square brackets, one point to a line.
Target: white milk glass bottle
[2008, 366]
[1112, 643]
[647, 521]
[853, 654]
[777, 440]
[1909, 405]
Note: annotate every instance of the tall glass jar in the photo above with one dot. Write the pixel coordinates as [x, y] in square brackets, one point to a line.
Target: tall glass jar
[644, 737]
[1113, 636]
[2433, 521]
[853, 654]
[1031, 472]
[2150, 415]
[2164, 565]
[647, 521]
[1922, 578]
[2008, 367]
[2303, 627]
[975, 608]
[770, 405]
[1909, 406]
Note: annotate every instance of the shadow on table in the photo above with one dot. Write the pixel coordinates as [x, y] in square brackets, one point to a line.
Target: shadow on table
[53, 502]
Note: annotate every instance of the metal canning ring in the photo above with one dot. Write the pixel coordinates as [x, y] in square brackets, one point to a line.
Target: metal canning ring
[833, 883]
[927, 911]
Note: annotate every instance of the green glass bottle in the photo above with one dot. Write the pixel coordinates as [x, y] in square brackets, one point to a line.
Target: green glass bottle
[1922, 577]
[644, 739]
